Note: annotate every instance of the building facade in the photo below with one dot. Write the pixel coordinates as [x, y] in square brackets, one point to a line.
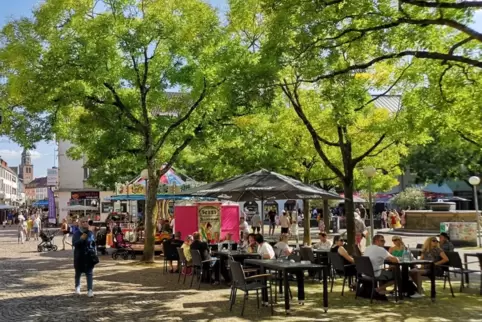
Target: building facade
[8, 185]
[73, 187]
[36, 190]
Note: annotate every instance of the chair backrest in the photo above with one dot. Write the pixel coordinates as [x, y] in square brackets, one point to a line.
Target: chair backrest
[364, 266]
[454, 259]
[237, 273]
[307, 254]
[196, 258]
[180, 253]
[170, 250]
[336, 261]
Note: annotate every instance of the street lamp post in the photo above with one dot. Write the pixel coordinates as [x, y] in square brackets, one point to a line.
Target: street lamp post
[370, 172]
[475, 181]
[145, 176]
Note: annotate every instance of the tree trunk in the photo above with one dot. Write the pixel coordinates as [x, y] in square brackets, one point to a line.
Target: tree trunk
[326, 215]
[306, 224]
[349, 211]
[150, 217]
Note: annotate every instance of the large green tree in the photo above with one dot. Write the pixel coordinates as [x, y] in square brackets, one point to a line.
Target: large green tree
[102, 69]
[347, 130]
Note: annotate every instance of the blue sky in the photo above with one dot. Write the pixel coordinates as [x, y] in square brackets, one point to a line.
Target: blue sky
[44, 155]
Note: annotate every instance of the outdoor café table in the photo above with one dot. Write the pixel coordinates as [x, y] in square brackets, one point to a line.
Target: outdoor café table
[237, 255]
[287, 267]
[403, 277]
[466, 260]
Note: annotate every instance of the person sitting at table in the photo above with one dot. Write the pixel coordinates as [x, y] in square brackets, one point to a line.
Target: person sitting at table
[431, 251]
[398, 247]
[282, 246]
[252, 246]
[324, 243]
[171, 246]
[264, 248]
[203, 249]
[340, 249]
[228, 239]
[244, 242]
[186, 249]
[445, 243]
[378, 255]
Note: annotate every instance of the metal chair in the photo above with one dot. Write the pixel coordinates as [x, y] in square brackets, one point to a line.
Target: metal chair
[365, 272]
[198, 266]
[456, 266]
[340, 268]
[247, 284]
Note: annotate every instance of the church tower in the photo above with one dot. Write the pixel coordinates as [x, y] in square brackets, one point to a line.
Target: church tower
[26, 167]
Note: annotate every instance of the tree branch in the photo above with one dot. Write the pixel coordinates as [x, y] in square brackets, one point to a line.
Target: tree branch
[182, 119]
[414, 53]
[375, 97]
[184, 144]
[120, 105]
[293, 97]
[369, 151]
[444, 5]
[466, 138]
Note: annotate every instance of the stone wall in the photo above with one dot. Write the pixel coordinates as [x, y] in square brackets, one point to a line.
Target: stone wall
[430, 220]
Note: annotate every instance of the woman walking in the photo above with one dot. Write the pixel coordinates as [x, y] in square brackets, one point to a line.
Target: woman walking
[85, 256]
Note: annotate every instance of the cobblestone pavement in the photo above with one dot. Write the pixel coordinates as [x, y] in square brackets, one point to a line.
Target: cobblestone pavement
[39, 287]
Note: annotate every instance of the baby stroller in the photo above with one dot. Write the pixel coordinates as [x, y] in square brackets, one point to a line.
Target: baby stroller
[46, 244]
[101, 241]
[122, 248]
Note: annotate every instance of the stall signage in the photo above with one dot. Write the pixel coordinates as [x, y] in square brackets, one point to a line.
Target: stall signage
[209, 217]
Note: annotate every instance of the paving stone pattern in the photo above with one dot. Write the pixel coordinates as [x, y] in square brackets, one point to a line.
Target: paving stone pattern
[39, 287]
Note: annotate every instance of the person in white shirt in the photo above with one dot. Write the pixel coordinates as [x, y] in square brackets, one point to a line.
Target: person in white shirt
[256, 223]
[324, 243]
[282, 248]
[378, 255]
[294, 226]
[22, 227]
[264, 249]
[36, 227]
[243, 228]
[284, 223]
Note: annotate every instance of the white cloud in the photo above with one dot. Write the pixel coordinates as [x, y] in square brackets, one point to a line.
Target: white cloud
[10, 153]
[35, 154]
[14, 154]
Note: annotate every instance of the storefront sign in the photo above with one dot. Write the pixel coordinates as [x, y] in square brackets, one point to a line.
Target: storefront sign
[85, 195]
[209, 217]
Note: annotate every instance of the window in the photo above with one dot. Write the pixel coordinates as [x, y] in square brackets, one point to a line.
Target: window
[14, 178]
[86, 173]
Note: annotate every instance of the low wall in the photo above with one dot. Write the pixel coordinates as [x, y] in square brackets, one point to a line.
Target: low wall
[462, 225]
[430, 220]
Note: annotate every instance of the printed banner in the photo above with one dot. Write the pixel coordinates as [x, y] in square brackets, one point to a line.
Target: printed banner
[52, 210]
[209, 220]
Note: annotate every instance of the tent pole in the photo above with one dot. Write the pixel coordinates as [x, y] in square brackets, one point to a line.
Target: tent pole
[262, 216]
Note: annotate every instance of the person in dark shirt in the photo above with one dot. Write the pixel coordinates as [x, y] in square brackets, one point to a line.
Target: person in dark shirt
[272, 222]
[169, 248]
[203, 249]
